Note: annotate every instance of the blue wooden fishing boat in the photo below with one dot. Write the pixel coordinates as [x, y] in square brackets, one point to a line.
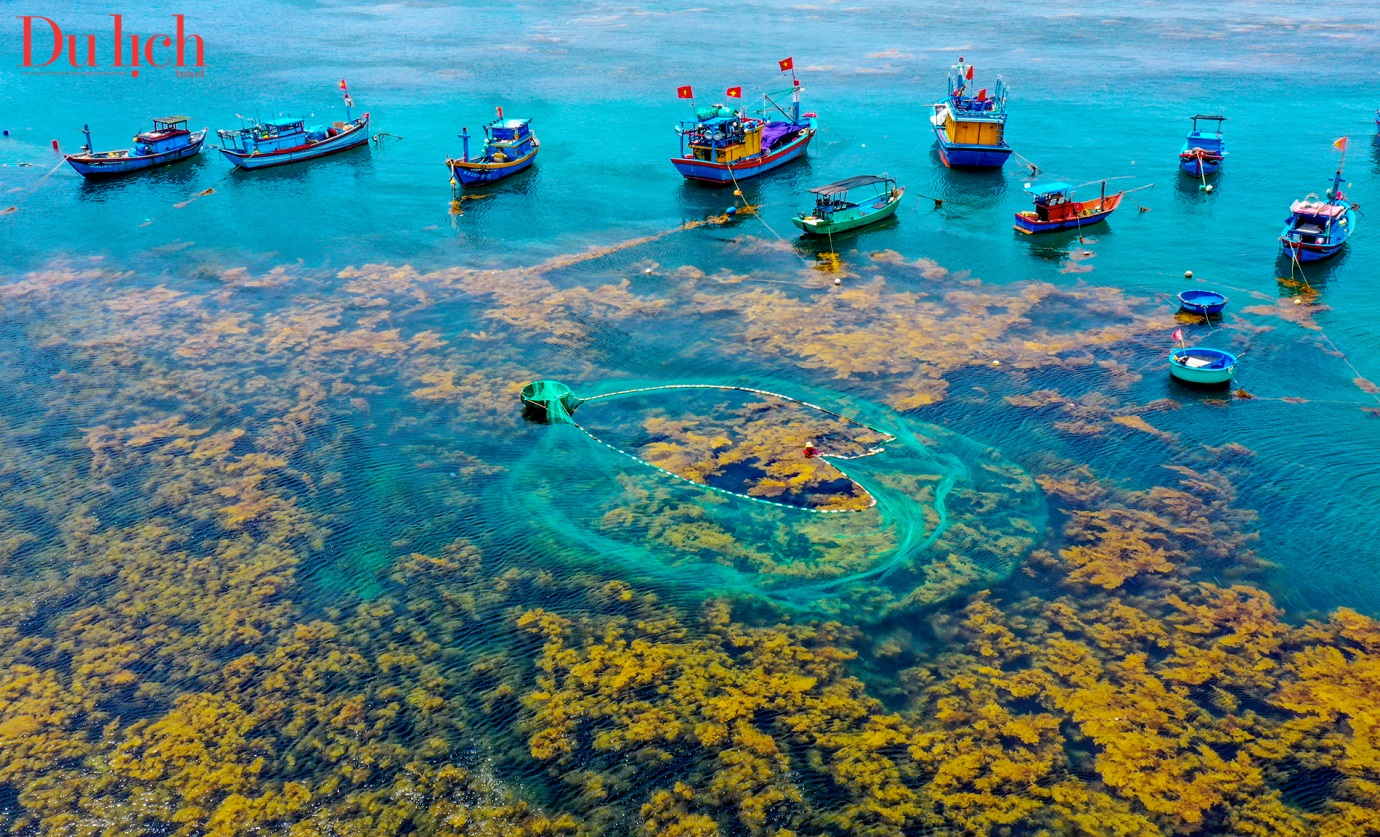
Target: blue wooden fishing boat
[838, 208]
[1055, 208]
[721, 145]
[1204, 148]
[970, 125]
[509, 147]
[1205, 303]
[170, 141]
[1316, 229]
[277, 142]
[1199, 365]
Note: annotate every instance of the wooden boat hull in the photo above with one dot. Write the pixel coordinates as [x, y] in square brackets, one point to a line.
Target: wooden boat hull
[1200, 166]
[352, 137]
[1223, 364]
[704, 171]
[478, 172]
[1310, 252]
[1030, 223]
[1202, 303]
[878, 211]
[957, 156]
[95, 167]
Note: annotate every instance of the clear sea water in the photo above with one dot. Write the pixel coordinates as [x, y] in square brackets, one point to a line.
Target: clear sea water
[1098, 90]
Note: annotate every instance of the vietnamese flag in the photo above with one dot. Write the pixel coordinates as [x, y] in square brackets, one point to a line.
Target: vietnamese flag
[734, 92]
[1340, 144]
[982, 95]
[342, 84]
[786, 64]
[970, 72]
[685, 92]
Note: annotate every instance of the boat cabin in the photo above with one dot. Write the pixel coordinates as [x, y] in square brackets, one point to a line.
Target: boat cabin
[838, 196]
[1311, 222]
[507, 139]
[1053, 201]
[169, 133]
[1209, 137]
[269, 136]
[719, 135]
[974, 117]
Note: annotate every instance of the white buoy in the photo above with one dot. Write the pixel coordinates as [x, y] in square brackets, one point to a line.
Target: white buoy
[1209, 189]
[996, 363]
[1188, 274]
[838, 281]
[1298, 301]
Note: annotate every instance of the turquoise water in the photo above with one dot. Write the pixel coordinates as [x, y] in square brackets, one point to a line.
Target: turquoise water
[318, 264]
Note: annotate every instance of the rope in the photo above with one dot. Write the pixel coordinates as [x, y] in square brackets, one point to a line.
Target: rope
[10, 210]
[181, 204]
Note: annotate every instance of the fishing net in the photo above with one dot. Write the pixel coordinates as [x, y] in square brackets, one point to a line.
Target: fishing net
[742, 489]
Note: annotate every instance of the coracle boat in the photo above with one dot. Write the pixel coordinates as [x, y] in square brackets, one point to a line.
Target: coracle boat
[1055, 208]
[1204, 303]
[1318, 229]
[722, 145]
[1204, 149]
[277, 142]
[838, 210]
[170, 141]
[1199, 365]
[509, 147]
[970, 127]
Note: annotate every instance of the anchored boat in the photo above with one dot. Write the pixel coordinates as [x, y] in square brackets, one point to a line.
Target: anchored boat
[1204, 303]
[970, 125]
[1317, 229]
[838, 209]
[509, 147]
[277, 142]
[1204, 148]
[722, 145]
[1055, 208]
[170, 141]
[1200, 365]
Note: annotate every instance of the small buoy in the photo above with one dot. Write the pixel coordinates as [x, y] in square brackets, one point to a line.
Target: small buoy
[1188, 274]
[996, 363]
[453, 184]
[731, 211]
[7, 133]
[737, 193]
[838, 281]
[1298, 301]
[648, 270]
[1208, 189]
[1202, 187]
[55, 145]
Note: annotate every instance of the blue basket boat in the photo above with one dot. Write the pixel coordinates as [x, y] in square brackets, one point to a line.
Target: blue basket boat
[1199, 365]
[1204, 148]
[1318, 230]
[277, 142]
[970, 125]
[170, 141]
[509, 147]
[724, 146]
[1206, 303]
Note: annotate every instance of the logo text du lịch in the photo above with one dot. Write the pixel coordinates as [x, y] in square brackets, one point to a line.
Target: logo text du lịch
[44, 36]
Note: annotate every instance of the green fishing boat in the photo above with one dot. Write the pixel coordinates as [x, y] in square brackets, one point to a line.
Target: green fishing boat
[838, 210]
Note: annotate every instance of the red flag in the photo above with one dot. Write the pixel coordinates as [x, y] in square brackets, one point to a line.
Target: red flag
[685, 92]
[500, 111]
[786, 64]
[342, 84]
[1340, 144]
[970, 72]
[1178, 335]
[982, 95]
[735, 92]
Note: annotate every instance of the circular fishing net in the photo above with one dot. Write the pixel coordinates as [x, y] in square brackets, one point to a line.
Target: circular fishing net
[742, 489]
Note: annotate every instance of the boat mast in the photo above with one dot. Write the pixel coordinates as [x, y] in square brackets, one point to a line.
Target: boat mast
[86, 129]
[465, 139]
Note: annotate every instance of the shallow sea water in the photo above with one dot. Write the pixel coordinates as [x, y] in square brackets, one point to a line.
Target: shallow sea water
[269, 493]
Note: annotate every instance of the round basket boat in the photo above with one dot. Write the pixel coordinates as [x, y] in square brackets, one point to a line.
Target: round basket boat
[1206, 303]
[1198, 365]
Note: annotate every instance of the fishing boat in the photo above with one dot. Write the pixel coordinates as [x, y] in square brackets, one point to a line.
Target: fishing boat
[1055, 208]
[1204, 303]
[722, 145]
[838, 209]
[509, 147]
[170, 141]
[970, 125]
[1204, 148]
[1199, 365]
[277, 142]
[1316, 229]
